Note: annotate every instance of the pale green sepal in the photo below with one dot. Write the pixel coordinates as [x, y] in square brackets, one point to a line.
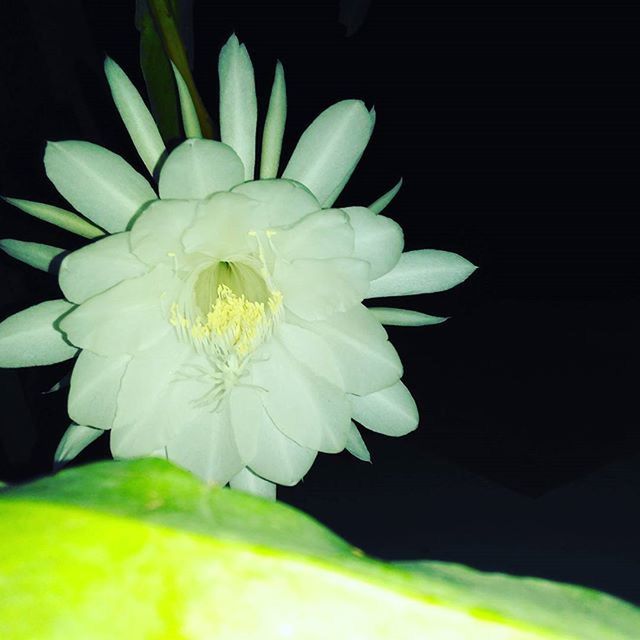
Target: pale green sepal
[76, 438]
[136, 116]
[274, 126]
[97, 182]
[57, 216]
[330, 148]
[238, 104]
[356, 446]
[63, 383]
[249, 482]
[30, 337]
[422, 271]
[404, 317]
[380, 204]
[39, 256]
[190, 120]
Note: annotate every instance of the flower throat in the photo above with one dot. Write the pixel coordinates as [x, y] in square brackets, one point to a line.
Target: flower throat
[234, 310]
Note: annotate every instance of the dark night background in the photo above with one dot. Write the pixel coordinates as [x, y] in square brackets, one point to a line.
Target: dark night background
[516, 129]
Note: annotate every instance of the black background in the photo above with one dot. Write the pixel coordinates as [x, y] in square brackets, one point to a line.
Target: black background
[516, 130]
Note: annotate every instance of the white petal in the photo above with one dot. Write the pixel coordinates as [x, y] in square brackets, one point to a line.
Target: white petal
[246, 413]
[155, 235]
[157, 401]
[76, 438]
[238, 108]
[274, 126]
[367, 360]
[31, 337]
[197, 168]
[278, 458]
[343, 183]
[381, 203]
[98, 267]
[95, 383]
[315, 289]
[323, 234]
[124, 319]
[136, 116]
[356, 446]
[39, 256]
[391, 411]
[222, 226]
[422, 271]
[190, 120]
[330, 148]
[311, 350]
[303, 405]
[55, 215]
[249, 482]
[378, 240]
[283, 201]
[207, 448]
[404, 317]
[97, 182]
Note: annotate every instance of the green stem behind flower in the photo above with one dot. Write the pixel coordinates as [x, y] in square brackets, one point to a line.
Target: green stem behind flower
[167, 28]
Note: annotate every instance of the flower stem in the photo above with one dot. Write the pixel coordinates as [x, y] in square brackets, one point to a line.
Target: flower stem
[166, 26]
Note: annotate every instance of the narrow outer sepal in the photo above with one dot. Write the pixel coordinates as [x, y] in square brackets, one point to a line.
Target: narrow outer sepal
[238, 104]
[62, 218]
[381, 203]
[274, 126]
[39, 256]
[136, 116]
[190, 120]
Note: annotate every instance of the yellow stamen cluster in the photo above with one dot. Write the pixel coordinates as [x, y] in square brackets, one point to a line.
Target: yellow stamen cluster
[238, 321]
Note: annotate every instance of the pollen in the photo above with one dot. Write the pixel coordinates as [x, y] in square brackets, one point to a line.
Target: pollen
[233, 322]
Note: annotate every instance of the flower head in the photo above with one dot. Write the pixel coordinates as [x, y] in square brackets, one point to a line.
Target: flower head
[220, 322]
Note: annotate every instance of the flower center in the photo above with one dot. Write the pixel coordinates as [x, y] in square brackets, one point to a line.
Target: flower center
[232, 310]
[239, 278]
[227, 312]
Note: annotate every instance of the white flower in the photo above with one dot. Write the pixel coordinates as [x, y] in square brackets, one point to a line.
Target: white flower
[221, 324]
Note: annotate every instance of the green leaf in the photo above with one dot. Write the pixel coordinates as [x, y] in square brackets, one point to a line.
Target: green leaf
[166, 35]
[141, 549]
[158, 75]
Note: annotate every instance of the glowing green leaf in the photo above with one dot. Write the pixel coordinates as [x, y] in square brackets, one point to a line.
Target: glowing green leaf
[142, 550]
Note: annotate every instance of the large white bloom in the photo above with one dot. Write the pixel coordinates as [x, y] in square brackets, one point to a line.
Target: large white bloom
[220, 322]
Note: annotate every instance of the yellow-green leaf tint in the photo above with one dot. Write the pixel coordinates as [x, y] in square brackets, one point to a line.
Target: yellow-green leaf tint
[143, 550]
